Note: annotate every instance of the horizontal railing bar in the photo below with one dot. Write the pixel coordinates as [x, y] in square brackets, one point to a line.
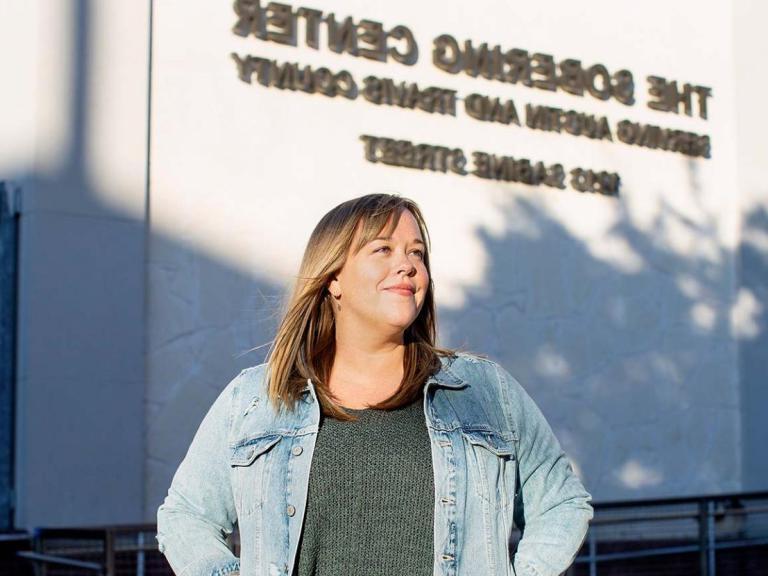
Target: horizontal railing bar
[741, 511]
[79, 551]
[135, 527]
[682, 500]
[678, 515]
[85, 533]
[638, 553]
[147, 547]
[47, 559]
[741, 543]
[668, 550]
[15, 537]
[646, 518]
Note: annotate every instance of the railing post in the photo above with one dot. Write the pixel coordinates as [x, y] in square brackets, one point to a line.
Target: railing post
[711, 538]
[140, 555]
[703, 538]
[109, 553]
[9, 231]
[592, 553]
[40, 567]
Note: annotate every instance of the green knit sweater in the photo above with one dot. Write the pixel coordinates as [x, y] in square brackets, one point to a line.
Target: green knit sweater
[370, 505]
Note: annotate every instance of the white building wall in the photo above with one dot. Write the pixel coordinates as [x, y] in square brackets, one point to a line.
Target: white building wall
[615, 313]
[636, 322]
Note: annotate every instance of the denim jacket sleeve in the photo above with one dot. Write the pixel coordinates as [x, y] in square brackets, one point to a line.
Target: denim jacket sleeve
[199, 513]
[552, 507]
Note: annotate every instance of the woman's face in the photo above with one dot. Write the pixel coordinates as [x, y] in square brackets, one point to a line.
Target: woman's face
[382, 287]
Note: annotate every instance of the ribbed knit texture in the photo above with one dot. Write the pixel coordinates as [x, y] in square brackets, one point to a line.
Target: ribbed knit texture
[370, 506]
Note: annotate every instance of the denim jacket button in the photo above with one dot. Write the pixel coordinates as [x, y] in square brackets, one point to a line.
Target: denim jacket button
[297, 450]
[291, 510]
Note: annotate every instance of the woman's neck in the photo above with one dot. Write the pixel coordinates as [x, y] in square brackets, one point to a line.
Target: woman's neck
[361, 376]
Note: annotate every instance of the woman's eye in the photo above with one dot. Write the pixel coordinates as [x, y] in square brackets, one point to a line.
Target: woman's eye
[420, 253]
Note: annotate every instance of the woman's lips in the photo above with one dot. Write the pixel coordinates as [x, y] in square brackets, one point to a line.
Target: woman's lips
[401, 291]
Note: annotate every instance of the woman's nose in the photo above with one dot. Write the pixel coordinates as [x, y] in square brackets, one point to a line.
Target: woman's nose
[405, 265]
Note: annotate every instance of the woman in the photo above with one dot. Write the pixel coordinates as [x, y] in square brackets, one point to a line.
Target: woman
[421, 458]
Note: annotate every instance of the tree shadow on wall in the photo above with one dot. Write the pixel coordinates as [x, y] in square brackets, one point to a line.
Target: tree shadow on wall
[752, 318]
[630, 356]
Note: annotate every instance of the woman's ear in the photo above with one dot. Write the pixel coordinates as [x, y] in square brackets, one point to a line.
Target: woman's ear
[334, 288]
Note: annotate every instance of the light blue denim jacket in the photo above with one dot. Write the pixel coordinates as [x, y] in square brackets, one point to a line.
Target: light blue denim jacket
[495, 460]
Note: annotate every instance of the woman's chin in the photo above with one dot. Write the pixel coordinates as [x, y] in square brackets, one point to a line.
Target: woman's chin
[401, 324]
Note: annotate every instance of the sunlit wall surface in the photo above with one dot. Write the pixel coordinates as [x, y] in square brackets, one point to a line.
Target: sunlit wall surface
[589, 172]
[613, 310]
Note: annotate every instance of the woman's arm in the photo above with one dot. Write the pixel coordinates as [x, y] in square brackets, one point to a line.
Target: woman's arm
[551, 507]
[198, 513]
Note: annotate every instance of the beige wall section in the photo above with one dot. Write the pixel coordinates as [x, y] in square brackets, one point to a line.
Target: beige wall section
[614, 313]
[751, 307]
[78, 148]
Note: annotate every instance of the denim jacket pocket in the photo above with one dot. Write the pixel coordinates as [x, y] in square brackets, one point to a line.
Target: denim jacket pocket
[251, 463]
[492, 463]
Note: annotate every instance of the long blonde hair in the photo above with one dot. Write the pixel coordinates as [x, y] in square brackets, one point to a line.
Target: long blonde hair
[305, 345]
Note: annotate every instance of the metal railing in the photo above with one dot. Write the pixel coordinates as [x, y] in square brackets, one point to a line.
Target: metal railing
[723, 535]
[718, 535]
[103, 551]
